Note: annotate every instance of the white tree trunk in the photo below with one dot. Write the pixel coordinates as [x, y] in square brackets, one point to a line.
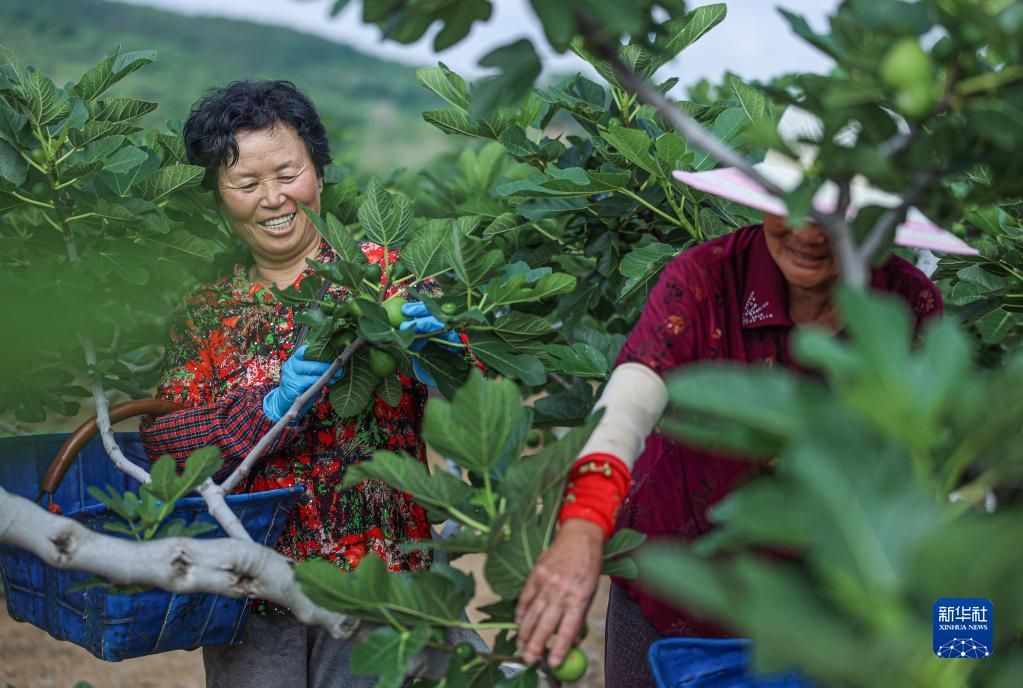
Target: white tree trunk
[224, 566]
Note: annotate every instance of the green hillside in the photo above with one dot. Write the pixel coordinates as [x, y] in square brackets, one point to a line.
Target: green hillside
[371, 107]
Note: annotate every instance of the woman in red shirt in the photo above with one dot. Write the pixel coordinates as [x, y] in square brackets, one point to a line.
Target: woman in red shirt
[734, 298]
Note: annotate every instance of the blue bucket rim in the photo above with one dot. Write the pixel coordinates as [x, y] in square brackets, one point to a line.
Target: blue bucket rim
[196, 502]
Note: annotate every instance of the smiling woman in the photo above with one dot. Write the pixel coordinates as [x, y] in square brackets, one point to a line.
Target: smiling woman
[260, 195]
[233, 362]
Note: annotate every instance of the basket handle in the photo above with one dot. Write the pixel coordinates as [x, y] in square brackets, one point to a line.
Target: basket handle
[87, 430]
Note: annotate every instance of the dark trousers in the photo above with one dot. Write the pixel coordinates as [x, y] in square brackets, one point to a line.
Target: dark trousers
[280, 652]
[628, 636]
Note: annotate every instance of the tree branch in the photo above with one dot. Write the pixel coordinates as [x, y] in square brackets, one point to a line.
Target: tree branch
[851, 265]
[245, 467]
[106, 433]
[223, 566]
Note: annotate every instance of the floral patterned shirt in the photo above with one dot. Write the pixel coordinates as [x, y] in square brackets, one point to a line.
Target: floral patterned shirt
[227, 343]
[725, 299]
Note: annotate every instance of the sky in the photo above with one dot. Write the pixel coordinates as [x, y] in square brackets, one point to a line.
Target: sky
[753, 40]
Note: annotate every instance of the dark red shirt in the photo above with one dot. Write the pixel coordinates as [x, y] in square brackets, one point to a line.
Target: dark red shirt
[728, 300]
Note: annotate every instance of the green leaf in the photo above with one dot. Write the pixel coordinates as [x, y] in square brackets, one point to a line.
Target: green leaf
[119, 258]
[497, 354]
[977, 275]
[634, 144]
[164, 477]
[455, 121]
[514, 290]
[199, 466]
[529, 478]
[764, 400]
[13, 167]
[437, 492]
[426, 253]
[482, 428]
[580, 360]
[179, 244]
[623, 541]
[824, 43]
[45, 103]
[446, 84]
[374, 326]
[643, 265]
[518, 328]
[753, 103]
[386, 218]
[680, 33]
[336, 235]
[390, 390]
[469, 258]
[386, 652]
[357, 591]
[519, 67]
[124, 160]
[620, 568]
[442, 593]
[122, 109]
[97, 80]
[94, 131]
[726, 128]
[458, 18]
[352, 394]
[997, 325]
[169, 179]
[509, 563]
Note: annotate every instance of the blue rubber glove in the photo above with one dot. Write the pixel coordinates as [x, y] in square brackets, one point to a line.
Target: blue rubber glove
[421, 322]
[297, 375]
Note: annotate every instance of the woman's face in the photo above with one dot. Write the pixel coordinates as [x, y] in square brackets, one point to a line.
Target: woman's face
[261, 192]
[804, 257]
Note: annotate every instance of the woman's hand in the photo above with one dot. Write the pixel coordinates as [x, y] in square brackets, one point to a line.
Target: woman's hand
[297, 375]
[559, 590]
[421, 322]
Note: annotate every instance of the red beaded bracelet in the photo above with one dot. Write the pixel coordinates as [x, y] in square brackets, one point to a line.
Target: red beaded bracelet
[596, 488]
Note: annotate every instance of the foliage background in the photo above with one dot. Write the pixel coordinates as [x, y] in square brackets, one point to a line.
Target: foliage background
[371, 107]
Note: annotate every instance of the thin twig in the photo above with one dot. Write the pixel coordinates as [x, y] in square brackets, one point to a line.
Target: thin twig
[144, 368]
[561, 381]
[890, 219]
[216, 504]
[245, 467]
[11, 428]
[851, 266]
[99, 398]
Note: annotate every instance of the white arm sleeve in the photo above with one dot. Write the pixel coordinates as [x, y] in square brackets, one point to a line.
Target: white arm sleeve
[633, 402]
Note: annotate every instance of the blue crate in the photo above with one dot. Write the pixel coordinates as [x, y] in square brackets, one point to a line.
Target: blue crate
[115, 627]
[711, 663]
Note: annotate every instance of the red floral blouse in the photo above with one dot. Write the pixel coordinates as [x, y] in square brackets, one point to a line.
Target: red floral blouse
[227, 343]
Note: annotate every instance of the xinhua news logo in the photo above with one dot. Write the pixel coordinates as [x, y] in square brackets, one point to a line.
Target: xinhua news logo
[964, 628]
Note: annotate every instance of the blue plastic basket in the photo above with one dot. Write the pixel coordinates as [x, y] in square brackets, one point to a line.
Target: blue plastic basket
[712, 663]
[115, 627]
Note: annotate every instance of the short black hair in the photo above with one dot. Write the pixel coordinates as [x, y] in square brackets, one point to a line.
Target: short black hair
[240, 106]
